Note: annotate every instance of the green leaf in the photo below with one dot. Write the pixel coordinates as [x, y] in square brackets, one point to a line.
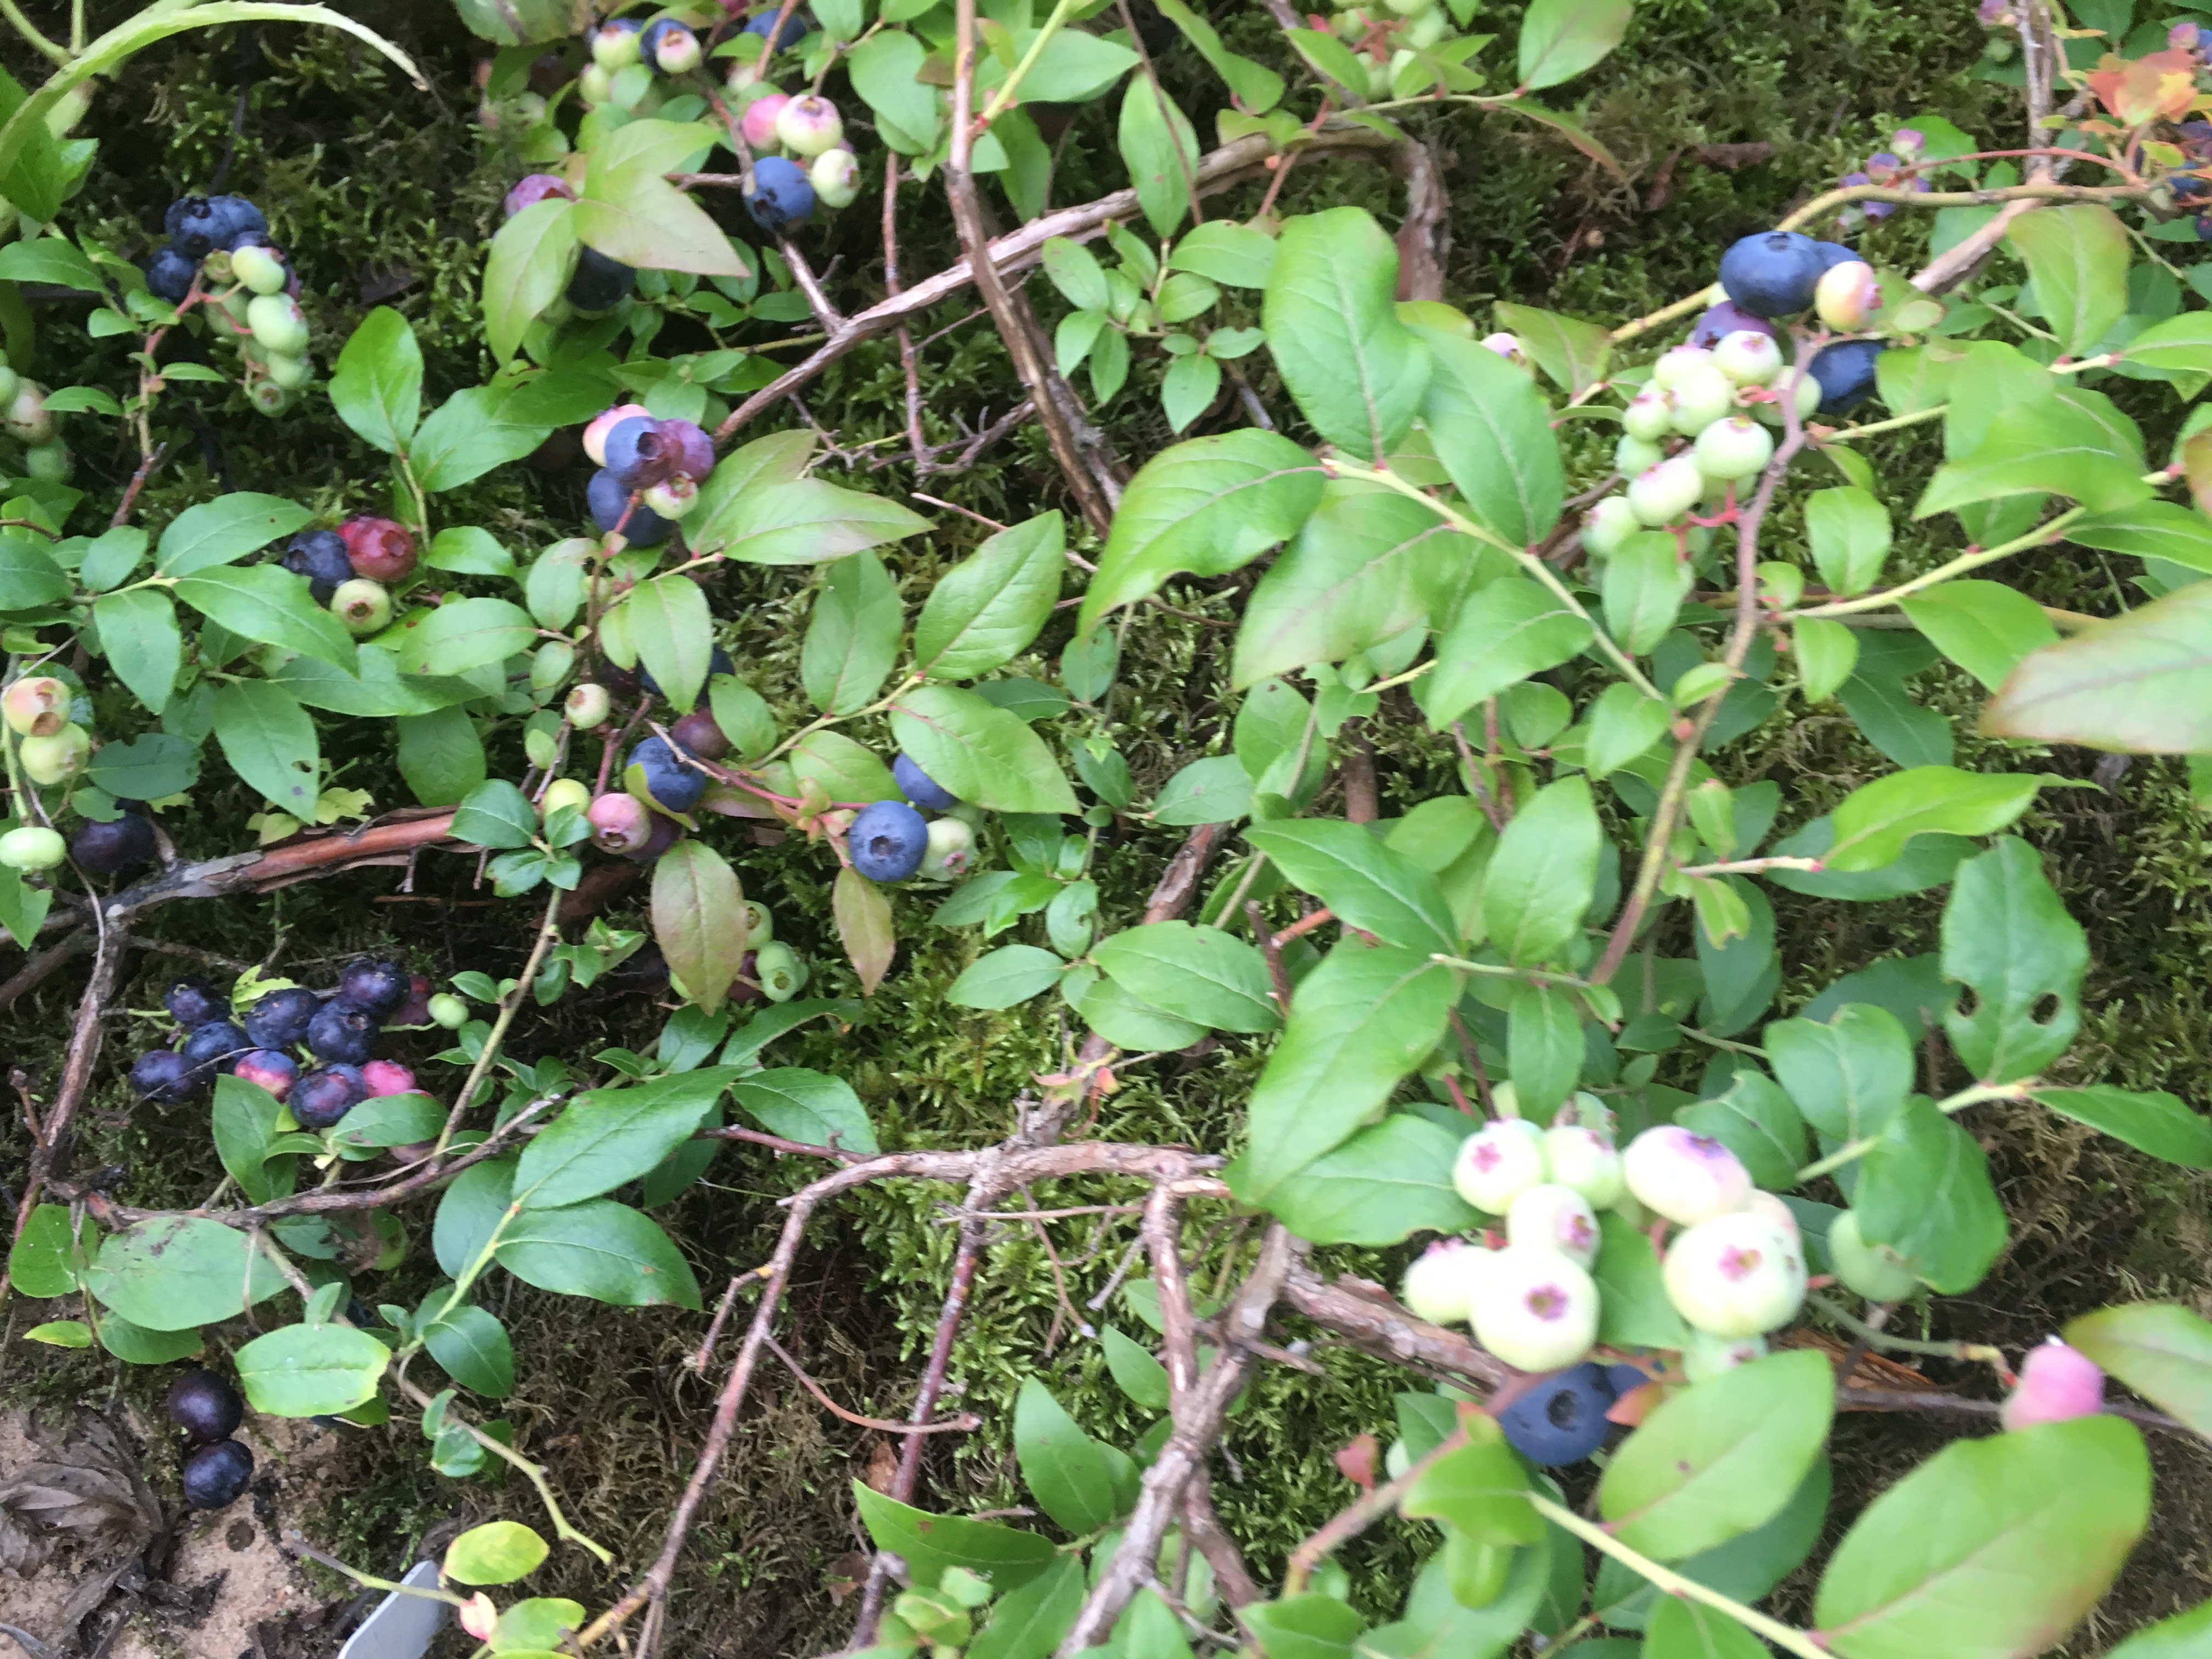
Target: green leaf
[229, 527]
[1720, 1458]
[29, 577]
[699, 920]
[1633, 1308]
[138, 631]
[1924, 1191]
[1222, 251]
[990, 608]
[469, 434]
[465, 634]
[1758, 1121]
[1850, 533]
[61, 1332]
[1254, 86]
[1877, 819]
[1690, 1630]
[391, 1120]
[50, 259]
[1160, 149]
[1215, 790]
[1066, 1470]
[930, 1543]
[1357, 1024]
[980, 752]
[1305, 1627]
[530, 261]
[886, 69]
[630, 212]
[38, 1261]
[1986, 628]
[470, 1344]
[497, 1553]
[134, 1345]
[799, 521]
[1507, 630]
[1075, 272]
[1827, 653]
[178, 1271]
[1348, 868]
[843, 769]
[469, 550]
[1187, 390]
[673, 630]
[602, 1250]
[377, 386]
[1028, 1622]
[470, 1209]
[1646, 579]
[497, 815]
[1200, 974]
[1544, 873]
[2161, 1350]
[1481, 1489]
[1437, 1625]
[863, 917]
[1207, 506]
[1003, 977]
[2037, 449]
[244, 1122]
[1744, 1568]
[812, 1106]
[1560, 38]
[311, 1371]
[1328, 56]
[2078, 256]
[268, 603]
[608, 1136]
[1356, 371]
[440, 755]
[270, 741]
[1850, 1076]
[2184, 1635]
[2156, 1123]
[1571, 351]
[1492, 433]
[375, 688]
[1991, 1548]
[2141, 682]
[2006, 933]
[853, 636]
[1367, 566]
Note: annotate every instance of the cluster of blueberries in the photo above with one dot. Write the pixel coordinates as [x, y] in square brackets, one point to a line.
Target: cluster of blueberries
[350, 569]
[262, 310]
[340, 1030]
[650, 471]
[53, 747]
[1885, 167]
[216, 1467]
[1727, 382]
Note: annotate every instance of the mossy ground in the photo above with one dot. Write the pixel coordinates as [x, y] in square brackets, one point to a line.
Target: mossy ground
[385, 195]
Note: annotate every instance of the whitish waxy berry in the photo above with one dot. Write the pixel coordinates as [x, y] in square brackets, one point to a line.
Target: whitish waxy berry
[809, 126]
[1848, 293]
[1705, 1356]
[1535, 1310]
[1557, 1218]
[49, 760]
[1748, 358]
[1702, 395]
[1608, 525]
[1874, 1271]
[31, 846]
[1676, 361]
[1772, 1206]
[278, 323]
[1633, 455]
[1498, 1163]
[27, 417]
[836, 176]
[1688, 1178]
[588, 705]
[1668, 491]
[2055, 1383]
[1733, 449]
[260, 269]
[1650, 415]
[1735, 1276]
[1440, 1284]
[1587, 1161]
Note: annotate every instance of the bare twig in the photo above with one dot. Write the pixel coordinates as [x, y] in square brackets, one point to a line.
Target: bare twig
[965, 1423]
[1355, 1518]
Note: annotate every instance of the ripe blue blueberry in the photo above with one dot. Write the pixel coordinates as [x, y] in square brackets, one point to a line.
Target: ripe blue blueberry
[1625, 1379]
[1833, 254]
[342, 1032]
[319, 556]
[323, 1096]
[1773, 274]
[781, 195]
[281, 1018]
[1844, 371]
[212, 1045]
[1562, 1419]
[374, 985]
[162, 1074]
[199, 225]
[194, 1002]
[794, 27]
[610, 501]
[921, 788]
[169, 274]
[215, 1474]
[671, 784]
[600, 284]
[888, 839]
[205, 1407]
[121, 843]
[635, 454]
[717, 663]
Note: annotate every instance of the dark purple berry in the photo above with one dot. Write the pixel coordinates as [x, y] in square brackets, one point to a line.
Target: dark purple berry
[416, 1010]
[169, 274]
[374, 984]
[124, 842]
[697, 734]
[341, 1032]
[205, 1406]
[215, 1474]
[194, 1002]
[600, 284]
[280, 1019]
[323, 1096]
[690, 452]
[213, 1045]
[887, 840]
[918, 787]
[269, 1068]
[1845, 372]
[319, 556]
[162, 1074]
[671, 785]
[635, 454]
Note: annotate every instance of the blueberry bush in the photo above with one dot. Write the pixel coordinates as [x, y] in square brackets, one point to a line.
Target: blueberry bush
[1511, 622]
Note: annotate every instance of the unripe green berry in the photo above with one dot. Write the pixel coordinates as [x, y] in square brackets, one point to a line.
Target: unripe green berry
[951, 848]
[1874, 1271]
[1676, 361]
[278, 324]
[1425, 28]
[1847, 294]
[1441, 1284]
[1498, 1163]
[1608, 525]
[572, 793]
[1535, 1310]
[267, 398]
[1554, 1217]
[780, 970]
[362, 605]
[1650, 415]
[1748, 357]
[293, 373]
[1704, 1356]
[258, 269]
[836, 176]
[1735, 1276]
[760, 925]
[1733, 449]
[1702, 395]
[49, 463]
[1634, 455]
[36, 706]
[1669, 490]
[32, 847]
[1587, 1161]
[448, 1011]
[588, 706]
[55, 759]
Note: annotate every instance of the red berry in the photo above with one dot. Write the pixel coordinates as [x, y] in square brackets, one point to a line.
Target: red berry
[381, 550]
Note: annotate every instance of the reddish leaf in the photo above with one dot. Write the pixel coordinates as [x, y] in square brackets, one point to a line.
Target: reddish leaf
[864, 925]
[699, 917]
[1356, 1461]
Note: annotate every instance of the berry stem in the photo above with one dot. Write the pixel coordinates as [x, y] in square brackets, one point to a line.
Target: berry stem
[549, 930]
[1972, 559]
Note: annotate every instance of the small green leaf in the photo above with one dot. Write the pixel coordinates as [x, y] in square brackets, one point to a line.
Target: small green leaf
[1544, 873]
[179, 1272]
[268, 603]
[853, 635]
[812, 1106]
[2155, 1122]
[1064, 1468]
[2078, 256]
[1985, 627]
[270, 741]
[2141, 682]
[229, 527]
[138, 631]
[1003, 977]
[1492, 433]
[2161, 1350]
[980, 752]
[602, 1250]
[2006, 933]
[673, 631]
[1160, 149]
[1560, 38]
[699, 920]
[1876, 820]
[609, 1136]
[311, 1371]
[990, 608]
[377, 386]
[497, 1553]
[1356, 371]
[1481, 1489]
